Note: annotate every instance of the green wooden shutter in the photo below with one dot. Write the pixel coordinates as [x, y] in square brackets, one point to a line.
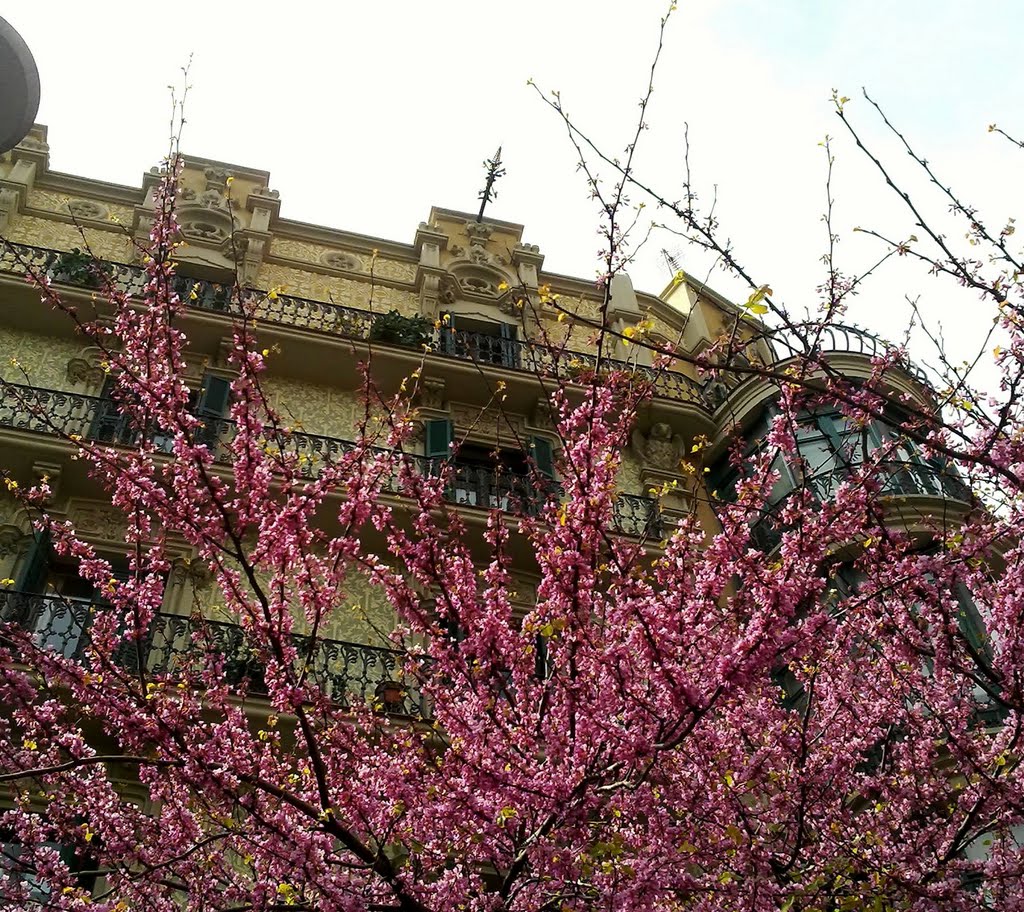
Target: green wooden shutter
[509, 348]
[440, 434]
[214, 397]
[211, 406]
[544, 456]
[33, 575]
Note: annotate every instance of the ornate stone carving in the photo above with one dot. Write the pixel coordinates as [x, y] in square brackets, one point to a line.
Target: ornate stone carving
[199, 227]
[448, 291]
[432, 393]
[660, 448]
[85, 372]
[87, 209]
[96, 520]
[216, 178]
[339, 259]
[478, 232]
[477, 254]
[12, 540]
[489, 425]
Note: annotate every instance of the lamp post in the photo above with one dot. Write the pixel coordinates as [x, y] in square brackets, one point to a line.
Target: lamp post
[19, 88]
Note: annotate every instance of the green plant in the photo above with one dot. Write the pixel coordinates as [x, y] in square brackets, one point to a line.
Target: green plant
[398, 329]
[76, 267]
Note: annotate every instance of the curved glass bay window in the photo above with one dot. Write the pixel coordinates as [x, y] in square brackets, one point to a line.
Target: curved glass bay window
[829, 446]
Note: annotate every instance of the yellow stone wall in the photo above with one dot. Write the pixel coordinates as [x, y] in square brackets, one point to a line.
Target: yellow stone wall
[337, 290]
[44, 358]
[113, 244]
[362, 614]
[313, 407]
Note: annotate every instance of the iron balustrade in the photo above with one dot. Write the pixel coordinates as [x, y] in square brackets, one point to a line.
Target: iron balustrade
[59, 413]
[898, 477]
[638, 516]
[839, 337]
[350, 322]
[349, 674]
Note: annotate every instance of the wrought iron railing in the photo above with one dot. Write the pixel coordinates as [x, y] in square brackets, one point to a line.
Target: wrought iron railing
[838, 337]
[899, 477]
[350, 322]
[638, 516]
[350, 674]
[55, 412]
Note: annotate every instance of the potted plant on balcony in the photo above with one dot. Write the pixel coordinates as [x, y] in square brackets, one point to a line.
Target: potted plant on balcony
[76, 267]
[398, 329]
[392, 695]
[243, 666]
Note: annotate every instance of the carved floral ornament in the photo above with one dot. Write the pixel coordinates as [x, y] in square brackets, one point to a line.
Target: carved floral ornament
[340, 259]
[88, 209]
[85, 371]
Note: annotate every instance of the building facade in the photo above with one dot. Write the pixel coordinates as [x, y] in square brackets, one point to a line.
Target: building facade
[473, 293]
[466, 302]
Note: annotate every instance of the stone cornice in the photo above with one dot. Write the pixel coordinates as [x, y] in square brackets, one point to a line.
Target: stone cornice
[73, 185]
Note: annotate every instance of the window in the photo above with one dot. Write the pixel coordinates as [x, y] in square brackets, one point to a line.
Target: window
[480, 340]
[18, 863]
[52, 601]
[209, 403]
[491, 477]
[829, 447]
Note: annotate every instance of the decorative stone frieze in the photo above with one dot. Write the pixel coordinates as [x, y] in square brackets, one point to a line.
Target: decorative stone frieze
[97, 520]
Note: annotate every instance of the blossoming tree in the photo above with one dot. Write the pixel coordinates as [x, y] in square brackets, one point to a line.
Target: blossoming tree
[825, 715]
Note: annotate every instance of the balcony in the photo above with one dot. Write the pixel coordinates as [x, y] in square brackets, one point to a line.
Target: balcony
[349, 674]
[838, 337]
[57, 413]
[357, 324]
[911, 477]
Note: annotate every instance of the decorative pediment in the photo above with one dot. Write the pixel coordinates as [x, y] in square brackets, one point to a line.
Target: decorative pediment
[206, 219]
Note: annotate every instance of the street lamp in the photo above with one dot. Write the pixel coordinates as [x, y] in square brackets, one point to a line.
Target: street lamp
[19, 88]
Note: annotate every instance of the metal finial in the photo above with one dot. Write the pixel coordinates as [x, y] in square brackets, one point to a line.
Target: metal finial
[494, 171]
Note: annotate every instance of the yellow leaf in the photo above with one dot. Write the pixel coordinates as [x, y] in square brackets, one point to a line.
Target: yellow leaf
[754, 304]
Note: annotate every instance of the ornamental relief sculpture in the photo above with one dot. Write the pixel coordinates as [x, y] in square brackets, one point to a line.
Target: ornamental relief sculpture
[345, 260]
[81, 208]
[489, 425]
[314, 408]
[95, 520]
[43, 359]
[106, 244]
[660, 448]
[337, 290]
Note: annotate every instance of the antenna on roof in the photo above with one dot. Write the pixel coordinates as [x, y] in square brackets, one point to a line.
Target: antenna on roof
[670, 260]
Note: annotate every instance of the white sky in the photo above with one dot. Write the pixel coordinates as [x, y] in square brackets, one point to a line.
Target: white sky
[368, 113]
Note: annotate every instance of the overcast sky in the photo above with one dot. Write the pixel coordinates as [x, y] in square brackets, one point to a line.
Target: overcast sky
[368, 113]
